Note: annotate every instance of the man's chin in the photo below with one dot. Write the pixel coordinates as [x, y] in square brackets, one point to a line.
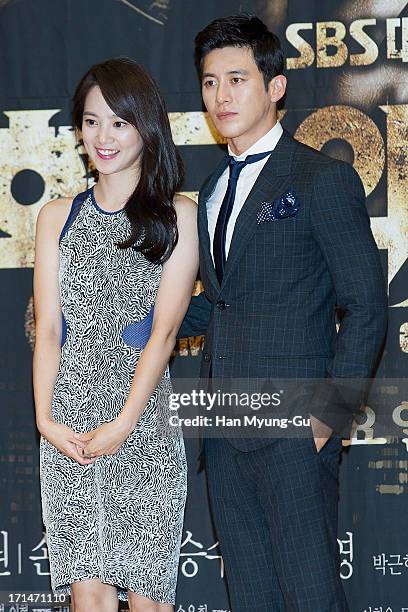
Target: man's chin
[228, 132]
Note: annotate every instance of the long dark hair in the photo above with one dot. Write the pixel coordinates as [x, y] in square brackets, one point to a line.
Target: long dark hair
[133, 96]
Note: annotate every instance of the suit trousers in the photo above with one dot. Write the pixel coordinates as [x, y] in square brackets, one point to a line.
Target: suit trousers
[275, 513]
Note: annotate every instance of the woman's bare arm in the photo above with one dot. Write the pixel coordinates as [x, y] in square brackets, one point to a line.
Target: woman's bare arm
[48, 323]
[47, 306]
[173, 297]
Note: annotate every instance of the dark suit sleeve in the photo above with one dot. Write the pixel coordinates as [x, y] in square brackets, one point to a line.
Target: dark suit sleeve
[197, 317]
[341, 227]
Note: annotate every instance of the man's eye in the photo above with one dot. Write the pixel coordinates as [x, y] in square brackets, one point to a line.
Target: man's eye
[236, 79]
[209, 83]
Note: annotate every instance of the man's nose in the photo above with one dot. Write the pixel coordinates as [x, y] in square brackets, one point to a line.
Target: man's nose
[223, 93]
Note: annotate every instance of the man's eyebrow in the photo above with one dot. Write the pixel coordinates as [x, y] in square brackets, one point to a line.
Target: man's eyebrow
[239, 71]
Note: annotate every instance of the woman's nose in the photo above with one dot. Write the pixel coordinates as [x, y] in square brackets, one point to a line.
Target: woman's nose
[104, 135]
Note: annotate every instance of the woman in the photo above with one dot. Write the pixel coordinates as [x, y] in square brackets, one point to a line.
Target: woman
[113, 278]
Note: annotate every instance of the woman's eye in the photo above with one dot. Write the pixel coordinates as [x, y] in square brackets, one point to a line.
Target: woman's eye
[119, 124]
[209, 83]
[90, 121]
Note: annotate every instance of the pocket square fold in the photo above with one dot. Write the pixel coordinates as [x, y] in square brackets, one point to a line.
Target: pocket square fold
[287, 205]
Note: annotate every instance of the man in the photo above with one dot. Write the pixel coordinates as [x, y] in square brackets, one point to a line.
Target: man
[284, 238]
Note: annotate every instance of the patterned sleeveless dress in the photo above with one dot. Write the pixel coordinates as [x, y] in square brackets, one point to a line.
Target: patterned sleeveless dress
[119, 519]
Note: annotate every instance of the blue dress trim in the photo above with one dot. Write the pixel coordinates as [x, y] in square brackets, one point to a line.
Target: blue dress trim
[75, 207]
[138, 334]
[64, 330]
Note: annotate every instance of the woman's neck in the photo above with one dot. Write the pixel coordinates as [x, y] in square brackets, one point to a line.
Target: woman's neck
[112, 191]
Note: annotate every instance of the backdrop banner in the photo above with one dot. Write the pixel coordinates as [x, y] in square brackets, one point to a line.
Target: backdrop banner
[346, 64]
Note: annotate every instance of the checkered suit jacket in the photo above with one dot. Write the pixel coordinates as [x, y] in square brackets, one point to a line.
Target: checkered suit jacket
[274, 313]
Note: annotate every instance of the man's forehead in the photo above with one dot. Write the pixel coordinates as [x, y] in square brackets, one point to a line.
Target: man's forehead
[229, 59]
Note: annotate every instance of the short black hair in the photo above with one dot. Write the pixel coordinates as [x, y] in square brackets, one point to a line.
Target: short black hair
[242, 30]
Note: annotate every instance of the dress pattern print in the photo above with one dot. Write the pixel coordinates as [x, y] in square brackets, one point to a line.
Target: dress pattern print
[119, 519]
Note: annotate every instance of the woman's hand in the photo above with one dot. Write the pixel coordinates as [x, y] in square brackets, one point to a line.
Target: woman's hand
[105, 439]
[63, 438]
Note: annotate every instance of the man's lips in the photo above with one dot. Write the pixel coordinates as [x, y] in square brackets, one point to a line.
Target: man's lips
[107, 153]
[226, 115]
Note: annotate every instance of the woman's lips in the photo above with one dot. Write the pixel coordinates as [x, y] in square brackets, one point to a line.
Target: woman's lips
[107, 153]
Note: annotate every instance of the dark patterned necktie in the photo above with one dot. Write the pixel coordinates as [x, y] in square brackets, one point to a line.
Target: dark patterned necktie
[227, 205]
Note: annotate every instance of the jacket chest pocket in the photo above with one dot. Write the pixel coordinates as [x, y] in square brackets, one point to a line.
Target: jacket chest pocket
[273, 237]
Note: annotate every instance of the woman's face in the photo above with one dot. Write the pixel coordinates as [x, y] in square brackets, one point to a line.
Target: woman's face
[113, 144]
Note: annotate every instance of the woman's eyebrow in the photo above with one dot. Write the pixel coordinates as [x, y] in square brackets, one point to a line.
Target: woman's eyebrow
[94, 114]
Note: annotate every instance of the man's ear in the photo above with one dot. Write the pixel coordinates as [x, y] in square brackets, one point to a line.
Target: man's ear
[277, 87]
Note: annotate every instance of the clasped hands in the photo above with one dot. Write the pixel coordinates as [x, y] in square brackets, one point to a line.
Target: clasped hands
[104, 440]
[85, 448]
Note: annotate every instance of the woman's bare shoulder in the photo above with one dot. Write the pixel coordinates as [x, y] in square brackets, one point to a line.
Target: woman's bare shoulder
[181, 200]
[56, 208]
[185, 207]
[55, 212]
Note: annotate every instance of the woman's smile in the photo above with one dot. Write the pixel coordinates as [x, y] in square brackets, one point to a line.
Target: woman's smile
[107, 153]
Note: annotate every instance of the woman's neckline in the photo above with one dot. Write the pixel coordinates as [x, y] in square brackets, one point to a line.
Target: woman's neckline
[102, 210]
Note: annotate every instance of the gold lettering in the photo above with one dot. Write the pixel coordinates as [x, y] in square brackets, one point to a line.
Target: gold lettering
[397, 416]
[350, 124]
[391, 232]
[307, 55]
[29, 143]
[371, 50]
[404, 337]
[356, 128]
[323, 41]
[194, 128]
[366, 429]
[392, 51]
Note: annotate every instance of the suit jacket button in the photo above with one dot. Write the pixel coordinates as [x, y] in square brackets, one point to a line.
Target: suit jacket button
[221, 304]
[206, 357]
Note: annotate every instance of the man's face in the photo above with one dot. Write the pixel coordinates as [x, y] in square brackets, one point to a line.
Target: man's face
[234, 94]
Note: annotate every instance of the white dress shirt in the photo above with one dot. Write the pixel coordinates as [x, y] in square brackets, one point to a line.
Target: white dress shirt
[246, 181]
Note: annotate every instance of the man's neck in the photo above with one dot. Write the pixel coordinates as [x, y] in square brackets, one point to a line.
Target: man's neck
[242, 143]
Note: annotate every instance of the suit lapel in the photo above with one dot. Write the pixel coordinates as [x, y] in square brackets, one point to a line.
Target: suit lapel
[273, 180]
[204, 236]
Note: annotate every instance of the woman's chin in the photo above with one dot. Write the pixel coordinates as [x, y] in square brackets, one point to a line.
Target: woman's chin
[107, 169]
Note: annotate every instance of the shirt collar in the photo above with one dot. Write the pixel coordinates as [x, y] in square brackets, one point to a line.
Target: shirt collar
[267, 143]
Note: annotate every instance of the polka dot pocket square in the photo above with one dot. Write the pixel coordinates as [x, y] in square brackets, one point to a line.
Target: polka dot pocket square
[287, 205]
